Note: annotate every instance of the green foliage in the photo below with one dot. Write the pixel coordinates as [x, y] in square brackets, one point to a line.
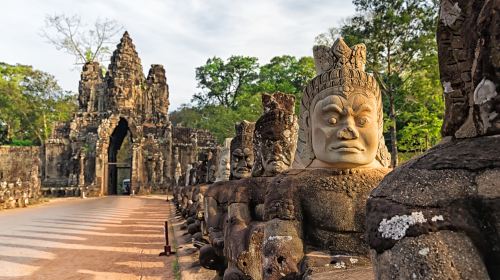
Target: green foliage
[286, 74]
[18, 142]
[421, 111]
[223, 82]
[231, 91]
[31, 101]
[219, 119]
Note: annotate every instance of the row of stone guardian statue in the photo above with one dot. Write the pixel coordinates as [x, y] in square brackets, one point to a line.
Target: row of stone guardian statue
[307, 197]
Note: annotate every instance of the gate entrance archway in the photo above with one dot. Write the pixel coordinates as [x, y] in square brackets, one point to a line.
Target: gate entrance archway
[120, 159]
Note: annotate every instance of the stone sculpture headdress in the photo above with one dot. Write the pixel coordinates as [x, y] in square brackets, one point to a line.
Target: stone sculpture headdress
[243, 138]
[244, 135]
[277, 122]
[342, 69]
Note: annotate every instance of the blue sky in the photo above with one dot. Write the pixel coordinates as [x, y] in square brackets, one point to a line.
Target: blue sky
[181, 35]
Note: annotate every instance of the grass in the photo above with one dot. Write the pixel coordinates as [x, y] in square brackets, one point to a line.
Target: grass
[176, 268]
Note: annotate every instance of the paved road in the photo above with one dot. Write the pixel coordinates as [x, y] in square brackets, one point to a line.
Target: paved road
[115, 237]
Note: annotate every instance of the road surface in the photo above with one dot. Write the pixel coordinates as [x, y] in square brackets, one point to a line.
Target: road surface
[116, 237]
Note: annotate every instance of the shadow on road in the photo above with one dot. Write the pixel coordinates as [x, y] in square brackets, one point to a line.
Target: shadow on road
[111, 238]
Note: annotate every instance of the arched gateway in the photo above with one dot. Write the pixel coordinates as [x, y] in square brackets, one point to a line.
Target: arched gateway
[121, 131]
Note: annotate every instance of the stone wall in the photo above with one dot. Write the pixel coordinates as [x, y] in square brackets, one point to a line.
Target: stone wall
[19, 176]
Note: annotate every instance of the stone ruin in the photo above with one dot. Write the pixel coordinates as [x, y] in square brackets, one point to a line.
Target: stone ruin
[272, 222]
[19, 176]
[438, 215]
[121, 131]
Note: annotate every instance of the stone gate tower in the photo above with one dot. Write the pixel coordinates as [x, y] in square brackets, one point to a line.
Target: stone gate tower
[119, 109]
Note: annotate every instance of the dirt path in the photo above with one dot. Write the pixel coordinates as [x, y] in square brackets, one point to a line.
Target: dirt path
[106, 238]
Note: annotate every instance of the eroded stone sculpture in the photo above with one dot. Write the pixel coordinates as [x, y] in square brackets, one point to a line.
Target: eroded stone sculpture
[242, 155]
[274, 145]
[315, 214]
[438, 215]
[218, 194]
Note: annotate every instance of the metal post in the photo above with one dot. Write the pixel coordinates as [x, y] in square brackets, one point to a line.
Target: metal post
[167, 250]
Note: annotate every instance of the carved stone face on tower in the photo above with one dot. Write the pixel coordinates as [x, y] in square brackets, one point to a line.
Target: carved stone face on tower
[341, 118]
[242, 156]
[275, 136]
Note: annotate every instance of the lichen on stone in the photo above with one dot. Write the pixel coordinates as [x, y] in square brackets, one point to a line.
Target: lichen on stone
[395, 228]
[449, 12]
[437, 218]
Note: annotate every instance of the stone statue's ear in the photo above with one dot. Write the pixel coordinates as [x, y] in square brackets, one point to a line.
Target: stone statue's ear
[305, 117]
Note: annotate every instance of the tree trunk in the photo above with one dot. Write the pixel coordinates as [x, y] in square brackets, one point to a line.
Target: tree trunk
[392, 130]
[392, 111]
[45, 129]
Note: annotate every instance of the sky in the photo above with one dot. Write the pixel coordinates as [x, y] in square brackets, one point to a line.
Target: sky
[181, 35]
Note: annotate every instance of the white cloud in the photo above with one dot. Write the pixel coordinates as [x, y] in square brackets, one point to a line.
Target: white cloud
[181, 35]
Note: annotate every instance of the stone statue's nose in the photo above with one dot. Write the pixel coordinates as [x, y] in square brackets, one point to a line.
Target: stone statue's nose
[347, 133]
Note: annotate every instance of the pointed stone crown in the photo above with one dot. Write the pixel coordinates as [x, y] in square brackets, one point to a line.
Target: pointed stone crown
[339, 56]
[341, 68]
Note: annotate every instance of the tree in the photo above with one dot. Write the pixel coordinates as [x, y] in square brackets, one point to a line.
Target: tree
[421, 113]
[399, 35]
[4, 133]
[31, 101]
[231, 90]
[219, 119]
[223, 83]
[67, 33]
[286, 74]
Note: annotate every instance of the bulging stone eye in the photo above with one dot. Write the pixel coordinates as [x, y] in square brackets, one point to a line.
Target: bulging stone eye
[362, 121]
[332, 121]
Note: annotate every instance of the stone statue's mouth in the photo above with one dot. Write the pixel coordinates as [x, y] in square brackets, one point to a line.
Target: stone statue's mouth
[277, 160]
[346, 148]
[242, 169]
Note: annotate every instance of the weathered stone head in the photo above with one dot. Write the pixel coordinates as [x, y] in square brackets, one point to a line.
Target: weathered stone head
[242, 157]
[275, 135]
[224, 164]
[188, 174]
[177, 173]
[213, 164]
[202, 167]
[341, 119]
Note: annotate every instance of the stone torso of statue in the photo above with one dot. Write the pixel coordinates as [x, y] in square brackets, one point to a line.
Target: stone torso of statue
[315, 212]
